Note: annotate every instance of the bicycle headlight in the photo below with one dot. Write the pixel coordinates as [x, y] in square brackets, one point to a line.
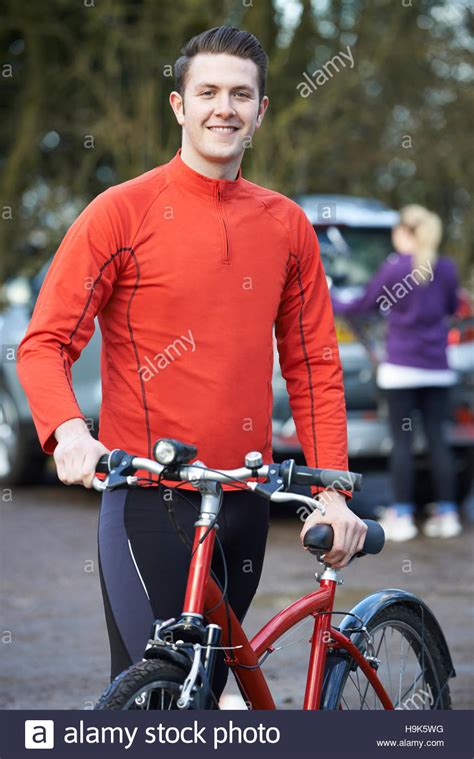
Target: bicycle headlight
[165, 452]
[169, 451]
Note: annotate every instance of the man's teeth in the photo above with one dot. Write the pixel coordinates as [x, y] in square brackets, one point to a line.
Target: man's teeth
[227, 130]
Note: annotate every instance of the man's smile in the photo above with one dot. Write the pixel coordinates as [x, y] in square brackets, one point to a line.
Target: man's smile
[223, 130]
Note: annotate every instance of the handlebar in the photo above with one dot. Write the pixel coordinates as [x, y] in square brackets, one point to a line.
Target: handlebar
[121, 468]
[288, 471]
[186, 472]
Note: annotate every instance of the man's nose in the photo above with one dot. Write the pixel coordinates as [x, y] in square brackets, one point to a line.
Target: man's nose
[224, 106]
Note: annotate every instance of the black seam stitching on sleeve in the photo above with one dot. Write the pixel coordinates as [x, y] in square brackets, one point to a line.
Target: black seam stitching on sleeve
[269, 431]
[97, 279]
[66, 369]
[135, 350]
[129, 325]
[306, 359]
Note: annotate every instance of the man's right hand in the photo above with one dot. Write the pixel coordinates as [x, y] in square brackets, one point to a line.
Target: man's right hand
[76, 453]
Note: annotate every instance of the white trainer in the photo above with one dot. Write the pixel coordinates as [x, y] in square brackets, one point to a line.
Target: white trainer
[398, 527]
[443, 525]
[232, 701]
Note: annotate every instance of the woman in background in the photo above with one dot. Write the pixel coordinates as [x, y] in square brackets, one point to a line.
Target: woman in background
[417, 291]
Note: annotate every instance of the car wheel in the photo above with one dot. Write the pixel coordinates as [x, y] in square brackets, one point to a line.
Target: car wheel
[21, 458]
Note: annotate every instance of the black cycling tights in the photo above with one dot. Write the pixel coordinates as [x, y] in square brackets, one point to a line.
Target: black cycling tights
[143, 563]
[433, 403]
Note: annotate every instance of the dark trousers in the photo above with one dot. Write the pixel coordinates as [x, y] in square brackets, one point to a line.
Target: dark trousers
[433, 404]
[143, 563]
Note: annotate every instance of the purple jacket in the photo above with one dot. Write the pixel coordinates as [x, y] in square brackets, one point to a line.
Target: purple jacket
[417, 314]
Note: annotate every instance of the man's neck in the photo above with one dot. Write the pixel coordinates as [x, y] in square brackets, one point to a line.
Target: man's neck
[212, 169]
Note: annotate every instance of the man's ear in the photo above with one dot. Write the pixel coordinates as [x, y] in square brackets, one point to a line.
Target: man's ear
[261, 110]
[177, 104]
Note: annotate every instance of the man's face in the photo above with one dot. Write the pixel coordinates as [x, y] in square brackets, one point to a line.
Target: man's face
[220, 109]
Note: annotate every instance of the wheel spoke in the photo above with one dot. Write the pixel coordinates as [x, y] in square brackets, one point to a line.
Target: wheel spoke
[388, 663]
[406, 669]
[401, 669]
[411, 687]
[357, 687]
[365, 694]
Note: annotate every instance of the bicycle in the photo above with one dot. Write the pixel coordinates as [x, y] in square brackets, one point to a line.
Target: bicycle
[387, 650]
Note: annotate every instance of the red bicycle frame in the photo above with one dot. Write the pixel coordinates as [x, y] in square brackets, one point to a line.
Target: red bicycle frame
[202, 592]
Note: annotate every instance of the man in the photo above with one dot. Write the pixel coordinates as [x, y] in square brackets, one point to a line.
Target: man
[189, 267]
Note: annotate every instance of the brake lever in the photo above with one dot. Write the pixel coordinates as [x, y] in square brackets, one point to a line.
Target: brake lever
[272, 484]
[101, 485]
[120, 476]
[287, 496]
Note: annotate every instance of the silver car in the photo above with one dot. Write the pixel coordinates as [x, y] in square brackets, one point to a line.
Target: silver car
[355, 237]
[21, 458]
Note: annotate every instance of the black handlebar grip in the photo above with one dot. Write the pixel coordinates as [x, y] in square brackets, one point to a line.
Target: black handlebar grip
[374, 539]
[329, 478]
[115, 457]
[333, 478]
[320, 538]
[102, 466]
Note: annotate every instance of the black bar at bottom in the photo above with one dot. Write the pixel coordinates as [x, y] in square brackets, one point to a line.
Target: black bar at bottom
[237, 734]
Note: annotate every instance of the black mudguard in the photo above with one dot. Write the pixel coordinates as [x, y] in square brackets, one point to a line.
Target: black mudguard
[366, 610]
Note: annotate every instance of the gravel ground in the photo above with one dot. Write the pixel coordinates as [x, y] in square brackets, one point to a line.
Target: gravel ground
[54, 651]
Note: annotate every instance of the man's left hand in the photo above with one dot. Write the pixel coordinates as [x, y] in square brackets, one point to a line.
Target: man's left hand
[349, 530]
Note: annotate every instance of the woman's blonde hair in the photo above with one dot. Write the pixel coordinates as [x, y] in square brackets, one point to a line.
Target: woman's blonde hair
[427, 229]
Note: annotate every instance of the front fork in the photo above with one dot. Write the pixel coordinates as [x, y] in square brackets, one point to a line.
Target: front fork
[188, 636]
[194, 649]
[201, 673]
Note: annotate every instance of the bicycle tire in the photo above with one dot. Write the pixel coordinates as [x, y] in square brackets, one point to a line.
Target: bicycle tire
[134, 681]
[410, 621]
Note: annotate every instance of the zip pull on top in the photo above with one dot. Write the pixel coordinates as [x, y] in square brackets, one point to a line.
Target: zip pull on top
[220, 214]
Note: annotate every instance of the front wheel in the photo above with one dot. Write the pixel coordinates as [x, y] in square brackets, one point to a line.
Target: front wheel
[412, 668]
[150, 684]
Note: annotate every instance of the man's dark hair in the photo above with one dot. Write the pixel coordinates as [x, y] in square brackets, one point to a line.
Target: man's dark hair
[222, 39]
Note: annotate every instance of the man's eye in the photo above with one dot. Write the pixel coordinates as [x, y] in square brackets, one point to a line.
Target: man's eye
[242, 94]
[207, 92]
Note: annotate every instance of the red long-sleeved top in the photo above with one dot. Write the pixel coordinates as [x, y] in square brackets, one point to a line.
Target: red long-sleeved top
[188, 275]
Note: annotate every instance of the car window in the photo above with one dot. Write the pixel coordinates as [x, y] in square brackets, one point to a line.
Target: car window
[356, 256]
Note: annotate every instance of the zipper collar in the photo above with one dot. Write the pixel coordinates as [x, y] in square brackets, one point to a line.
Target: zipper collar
[184, 175]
